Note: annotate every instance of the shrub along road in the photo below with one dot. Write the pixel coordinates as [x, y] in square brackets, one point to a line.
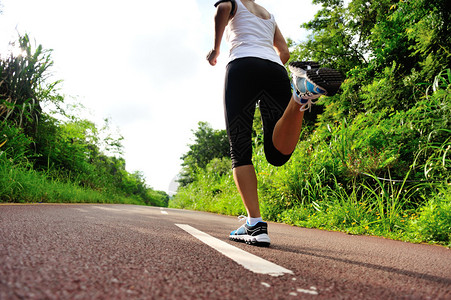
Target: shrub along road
[124, 251]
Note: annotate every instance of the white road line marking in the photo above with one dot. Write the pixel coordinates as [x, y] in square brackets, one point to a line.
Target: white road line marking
[312, 291]
[245, 259]
[164, 212]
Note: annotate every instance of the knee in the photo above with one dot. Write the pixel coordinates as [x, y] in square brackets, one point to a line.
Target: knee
[275, 157]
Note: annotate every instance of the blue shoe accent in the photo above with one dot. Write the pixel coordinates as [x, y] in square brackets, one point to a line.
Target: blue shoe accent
[306, 88]
[310, 81]
[312, 88]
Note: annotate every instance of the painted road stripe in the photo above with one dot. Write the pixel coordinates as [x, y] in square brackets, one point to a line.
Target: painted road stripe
[311, 291]
[245, 259]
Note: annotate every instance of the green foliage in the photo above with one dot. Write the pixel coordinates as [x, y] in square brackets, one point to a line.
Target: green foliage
[330, 182]
[14, 144]
[389, 199]
[21, 184]
[208, 144]
[24, 87]
[49, 159]
[387, 49]
[376, 160]
[211, 191]
[433, 223]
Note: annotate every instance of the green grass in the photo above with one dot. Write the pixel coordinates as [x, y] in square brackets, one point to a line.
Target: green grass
[213, 193]
[20, 184]
[383, 174]
[361, 211]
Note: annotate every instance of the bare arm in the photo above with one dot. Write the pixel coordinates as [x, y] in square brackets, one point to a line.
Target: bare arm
[221, 19]
[281, 46]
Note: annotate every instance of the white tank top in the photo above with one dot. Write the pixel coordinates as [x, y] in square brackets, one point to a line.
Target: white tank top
[251, 36]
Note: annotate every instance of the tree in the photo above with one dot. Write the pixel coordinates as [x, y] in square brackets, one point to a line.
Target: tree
[387, 48]
[208, 144]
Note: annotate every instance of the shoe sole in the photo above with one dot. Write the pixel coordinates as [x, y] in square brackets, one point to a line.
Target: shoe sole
[326, 78]
[261, 240]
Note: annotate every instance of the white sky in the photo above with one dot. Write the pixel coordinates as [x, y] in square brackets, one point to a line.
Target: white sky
[142, 64]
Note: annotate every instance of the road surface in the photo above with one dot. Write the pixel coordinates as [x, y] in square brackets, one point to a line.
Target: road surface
[135, 252]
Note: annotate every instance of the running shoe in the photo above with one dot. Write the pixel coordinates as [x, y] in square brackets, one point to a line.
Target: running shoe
[311, 82]
[256, 235]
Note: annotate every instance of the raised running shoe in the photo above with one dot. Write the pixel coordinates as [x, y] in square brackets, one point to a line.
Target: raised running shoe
[311, 82]
[256, 235]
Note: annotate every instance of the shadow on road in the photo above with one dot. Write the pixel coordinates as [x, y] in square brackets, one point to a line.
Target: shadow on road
[432, 278]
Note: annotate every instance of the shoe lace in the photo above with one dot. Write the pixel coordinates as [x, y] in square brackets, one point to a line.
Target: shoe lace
[305, 100]
[307, 105]
[242, 218]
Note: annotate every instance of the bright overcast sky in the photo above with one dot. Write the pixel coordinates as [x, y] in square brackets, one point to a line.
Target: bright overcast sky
[141, 64]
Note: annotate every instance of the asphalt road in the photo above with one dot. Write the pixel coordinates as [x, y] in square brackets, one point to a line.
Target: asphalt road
[135, 252]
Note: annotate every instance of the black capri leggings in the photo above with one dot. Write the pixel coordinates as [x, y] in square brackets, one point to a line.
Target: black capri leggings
[250, 81]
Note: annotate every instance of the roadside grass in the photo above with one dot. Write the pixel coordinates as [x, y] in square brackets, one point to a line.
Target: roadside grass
[213, 192]
[360, 212]
[383, 173]
[50, 154]
[21, 184]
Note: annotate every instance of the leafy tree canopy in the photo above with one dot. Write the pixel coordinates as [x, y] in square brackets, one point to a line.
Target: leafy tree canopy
[387, 48]
[208, 144]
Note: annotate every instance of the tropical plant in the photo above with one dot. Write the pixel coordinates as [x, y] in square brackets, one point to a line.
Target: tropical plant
[24, 85]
